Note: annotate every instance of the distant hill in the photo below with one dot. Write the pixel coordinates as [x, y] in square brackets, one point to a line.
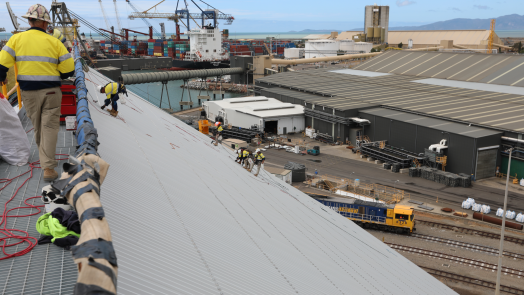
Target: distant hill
[506, 22]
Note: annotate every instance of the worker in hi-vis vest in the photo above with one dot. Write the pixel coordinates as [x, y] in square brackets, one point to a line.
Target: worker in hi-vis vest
[56, 33]
[259, 160]
[42, 62]
[112, 91]
[219, 133]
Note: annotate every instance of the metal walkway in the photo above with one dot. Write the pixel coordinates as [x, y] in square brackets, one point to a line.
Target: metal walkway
[47, 269]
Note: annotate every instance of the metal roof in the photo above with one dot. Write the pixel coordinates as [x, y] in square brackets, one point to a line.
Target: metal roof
[463, 102]
[452, 127]
[47, 269]
[501, 69]
[259, 106]
[185, 218]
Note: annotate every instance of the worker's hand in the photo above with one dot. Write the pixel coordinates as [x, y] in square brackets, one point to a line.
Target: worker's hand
[2, 83]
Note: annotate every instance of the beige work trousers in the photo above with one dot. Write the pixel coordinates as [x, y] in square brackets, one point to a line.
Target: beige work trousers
[43, 108]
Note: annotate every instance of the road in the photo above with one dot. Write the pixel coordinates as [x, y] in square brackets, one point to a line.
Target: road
[419, 188]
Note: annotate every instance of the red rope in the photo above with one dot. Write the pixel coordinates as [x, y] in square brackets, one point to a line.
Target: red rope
[20, 235]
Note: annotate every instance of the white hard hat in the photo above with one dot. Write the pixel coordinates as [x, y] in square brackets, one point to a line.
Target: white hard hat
[258, 150]
[98, 88]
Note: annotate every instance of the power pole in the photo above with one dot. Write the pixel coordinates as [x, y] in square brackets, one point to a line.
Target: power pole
[501, 248]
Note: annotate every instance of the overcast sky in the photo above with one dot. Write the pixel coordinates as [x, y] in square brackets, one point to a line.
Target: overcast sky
[286, 15]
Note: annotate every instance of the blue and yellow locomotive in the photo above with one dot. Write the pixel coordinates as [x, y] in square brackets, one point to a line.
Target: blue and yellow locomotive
[387, 217]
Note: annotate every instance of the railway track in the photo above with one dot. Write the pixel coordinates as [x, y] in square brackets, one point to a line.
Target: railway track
[471, 231]
[472, 281]
[468, 246]
[457, 259]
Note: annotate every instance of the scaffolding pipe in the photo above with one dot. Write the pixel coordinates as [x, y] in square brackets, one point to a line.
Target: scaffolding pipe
[140, 78]
[328, 58]
[512, 139]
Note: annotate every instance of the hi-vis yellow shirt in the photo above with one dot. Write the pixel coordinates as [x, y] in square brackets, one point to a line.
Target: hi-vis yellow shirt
[111, 89]
[42, 60]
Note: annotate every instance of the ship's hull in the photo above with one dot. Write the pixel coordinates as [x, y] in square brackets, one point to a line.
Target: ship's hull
[198, 65]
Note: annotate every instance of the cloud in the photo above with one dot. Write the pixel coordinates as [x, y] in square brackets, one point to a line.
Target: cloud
[455, 9]
[433, 10]
[481, 7]
[405, 3]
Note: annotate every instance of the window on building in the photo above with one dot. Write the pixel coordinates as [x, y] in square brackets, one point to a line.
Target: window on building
[207, 50]
[214, 50]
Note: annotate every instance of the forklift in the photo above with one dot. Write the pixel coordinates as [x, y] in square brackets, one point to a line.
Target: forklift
[315, 151]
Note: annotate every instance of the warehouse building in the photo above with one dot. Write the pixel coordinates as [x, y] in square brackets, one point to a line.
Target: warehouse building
[266, 114]
[472, 39]
[472, 100]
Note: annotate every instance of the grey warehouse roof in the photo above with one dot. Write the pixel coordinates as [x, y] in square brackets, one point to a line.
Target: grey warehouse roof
[186, 219]
[502, 69]
[452, 127]
[461, 101]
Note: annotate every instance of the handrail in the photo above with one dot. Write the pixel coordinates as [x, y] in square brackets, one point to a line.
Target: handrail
[18, 89]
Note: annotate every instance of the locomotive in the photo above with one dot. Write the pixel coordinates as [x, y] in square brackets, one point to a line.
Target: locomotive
[386, 217]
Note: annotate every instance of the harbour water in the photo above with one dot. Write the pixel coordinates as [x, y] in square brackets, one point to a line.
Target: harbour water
[152, 92]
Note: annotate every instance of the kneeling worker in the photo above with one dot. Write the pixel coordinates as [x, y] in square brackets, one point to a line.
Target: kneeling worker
[112, 90]
[259, 160]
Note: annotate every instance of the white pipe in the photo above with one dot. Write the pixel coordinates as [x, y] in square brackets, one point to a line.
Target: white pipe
[328, 58]
[512, 139]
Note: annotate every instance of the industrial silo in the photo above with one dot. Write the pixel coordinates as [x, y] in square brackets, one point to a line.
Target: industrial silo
[370, 33]
[347, 45]
[382, 35]
[377, 16]
[376, 33]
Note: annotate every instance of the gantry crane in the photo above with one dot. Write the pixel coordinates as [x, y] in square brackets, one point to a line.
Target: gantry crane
[145, 20]
[104, 15]
[117, 17]
[491, 36]
[14, 20]
[208, 14]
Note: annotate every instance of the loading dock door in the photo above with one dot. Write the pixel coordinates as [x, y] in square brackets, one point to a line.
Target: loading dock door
[271, 127]
[486, 162]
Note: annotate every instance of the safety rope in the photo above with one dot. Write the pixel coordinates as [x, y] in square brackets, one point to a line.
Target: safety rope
[18, 235]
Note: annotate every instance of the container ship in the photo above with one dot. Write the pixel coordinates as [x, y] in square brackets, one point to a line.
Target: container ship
[205, 48]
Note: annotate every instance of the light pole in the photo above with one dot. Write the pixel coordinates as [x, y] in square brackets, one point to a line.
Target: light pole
[395, 185]
[501, 248]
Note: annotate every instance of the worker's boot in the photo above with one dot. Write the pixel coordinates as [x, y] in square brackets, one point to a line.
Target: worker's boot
[50, 174]
[113, 113]
[103, 107]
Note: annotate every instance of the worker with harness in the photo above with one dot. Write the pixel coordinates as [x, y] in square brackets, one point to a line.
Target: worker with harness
[240, 156]
[218, 138]
[259, 160]
[56, 33]
[112, 91]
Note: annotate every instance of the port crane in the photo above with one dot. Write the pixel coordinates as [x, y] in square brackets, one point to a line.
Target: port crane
[145, 20]
[104, 14]
[14, 20]
[117, 17]
[208, 14]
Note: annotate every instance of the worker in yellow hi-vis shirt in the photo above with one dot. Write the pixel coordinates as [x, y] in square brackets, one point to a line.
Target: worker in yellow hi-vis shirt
[112, 91]
[56, 33]
[42, 63]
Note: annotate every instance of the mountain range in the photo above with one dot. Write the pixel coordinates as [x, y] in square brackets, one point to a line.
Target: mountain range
[506, 22]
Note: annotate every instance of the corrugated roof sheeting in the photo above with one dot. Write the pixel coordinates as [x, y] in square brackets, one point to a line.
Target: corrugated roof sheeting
[498, 69]
[456, 100]
[187, 219]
